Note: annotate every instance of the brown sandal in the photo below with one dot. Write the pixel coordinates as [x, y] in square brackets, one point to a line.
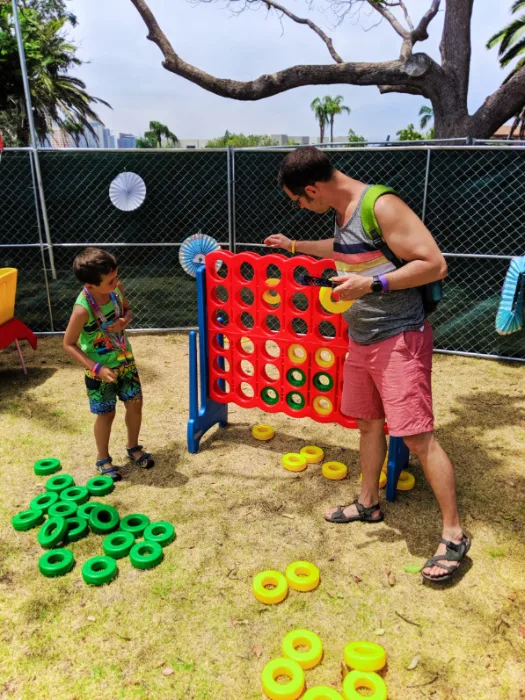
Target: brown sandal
[363, 513]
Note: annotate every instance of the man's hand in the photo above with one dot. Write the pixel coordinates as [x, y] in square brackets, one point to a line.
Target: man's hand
[107, 375]
[279, 240]
[351, 286]
[119, 325]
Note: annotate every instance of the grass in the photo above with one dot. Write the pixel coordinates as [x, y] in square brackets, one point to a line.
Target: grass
[191, 628]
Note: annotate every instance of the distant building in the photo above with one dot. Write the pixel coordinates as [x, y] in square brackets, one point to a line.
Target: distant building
[193, 143]
[58, 138]
[502, 134]
[126, 141]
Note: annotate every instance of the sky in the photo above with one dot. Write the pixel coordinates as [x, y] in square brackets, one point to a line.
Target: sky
[124, 68]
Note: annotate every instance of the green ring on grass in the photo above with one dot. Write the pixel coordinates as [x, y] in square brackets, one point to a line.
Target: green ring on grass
[44, 501]
[292, 380]
[99, 570]
[27, 519]
[104, 519]
[59, 482]
[146, 555]
[85, 510]
[118, 544]
[319, 385]
[135, 523]
[100, 485]
[57, 562]
[46, 466]
[296, 405]
[62, 509]
[52, 532]
[161, 532]
[77, 528]
[77, 494]
[267, 395]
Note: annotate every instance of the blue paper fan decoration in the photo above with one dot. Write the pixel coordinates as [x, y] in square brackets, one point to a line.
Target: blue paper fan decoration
[509, 318]
[127, 191]
[194, 250]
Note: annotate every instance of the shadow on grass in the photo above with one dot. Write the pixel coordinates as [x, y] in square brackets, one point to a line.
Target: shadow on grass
[163, 475]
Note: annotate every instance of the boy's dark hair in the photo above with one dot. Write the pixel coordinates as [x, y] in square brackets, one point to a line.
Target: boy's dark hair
[304, 166]
[92, 263]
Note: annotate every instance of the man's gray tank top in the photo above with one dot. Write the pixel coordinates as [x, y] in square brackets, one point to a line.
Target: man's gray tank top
[373, 317]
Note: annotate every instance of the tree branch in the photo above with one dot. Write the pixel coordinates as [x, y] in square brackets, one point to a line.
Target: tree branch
[455, 46]
[405, 89]
[503, 104]
[300, 20]
[420, 32]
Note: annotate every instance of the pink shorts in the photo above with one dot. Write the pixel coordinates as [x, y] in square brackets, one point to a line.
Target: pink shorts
[391, 379]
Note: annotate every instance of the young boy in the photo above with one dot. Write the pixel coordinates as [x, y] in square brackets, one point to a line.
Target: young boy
[95, 337]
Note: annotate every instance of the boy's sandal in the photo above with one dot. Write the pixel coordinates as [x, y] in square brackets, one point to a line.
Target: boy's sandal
[363, 513]
[112, 471]
[456, 551]
[145, 460]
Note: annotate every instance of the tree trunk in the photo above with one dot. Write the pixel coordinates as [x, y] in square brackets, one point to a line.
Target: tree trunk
[332, 128]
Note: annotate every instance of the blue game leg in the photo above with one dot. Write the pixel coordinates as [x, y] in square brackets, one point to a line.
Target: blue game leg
[397, 460]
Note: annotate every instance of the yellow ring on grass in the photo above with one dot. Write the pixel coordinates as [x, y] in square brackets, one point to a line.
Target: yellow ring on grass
[382, 479]
[302, 576]
[328, 304]
[334, 470]
[263, 432]
[365, 656]
[322, 410]
[322, 692]
[360, 679]
[406, 481]
[270, 596]
[294, 462]
[318, 357]
[313, 454]
[303, 638]
[279, 691]
[297, 354]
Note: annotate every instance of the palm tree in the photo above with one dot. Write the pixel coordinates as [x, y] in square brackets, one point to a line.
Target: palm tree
[318, 106]
[512, 45]
[159, 130]
[427, 114]
[333, 107]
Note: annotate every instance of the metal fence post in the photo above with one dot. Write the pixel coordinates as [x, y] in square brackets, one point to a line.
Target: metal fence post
[232, 190]
[230, 194]
[425, 191]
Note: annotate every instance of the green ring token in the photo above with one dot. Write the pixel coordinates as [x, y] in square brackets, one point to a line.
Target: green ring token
[84, 511]
[328, 386]
[59, 482]
[52, 532]
[293, 403]
[161, 532]
[104, 519]
[135, 523]
[46, 466]
[100, 485]
[146, 555]
[27, 519]
[269, 395]
[77, 494]
[99, 570]
[44, 501]
[118, 544]
[62, 509]
[77, 528]
[57, 562]
[290, 376]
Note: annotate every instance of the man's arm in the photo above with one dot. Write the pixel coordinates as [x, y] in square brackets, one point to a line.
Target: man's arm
[319, 249]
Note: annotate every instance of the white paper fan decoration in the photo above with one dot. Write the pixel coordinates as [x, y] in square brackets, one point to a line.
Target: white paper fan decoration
[193, 251]
[127, 191]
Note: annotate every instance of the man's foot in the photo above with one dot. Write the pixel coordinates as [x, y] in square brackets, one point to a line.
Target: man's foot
[445, 562]
[354, 511]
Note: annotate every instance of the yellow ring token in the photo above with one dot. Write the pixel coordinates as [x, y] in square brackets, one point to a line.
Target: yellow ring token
[384, 468]
[270, 596]
[272, 298]
[302, 576]
[280, 691]
[313, 454]
[322, 692]
[334, 470]
[406, 481]
[263, 432]
[297, 354]
[382, 479]
[360, 679]
[322, 405]
[303, 638]
[328, 304]
[294, 462]
[324, 357]
[365, 656]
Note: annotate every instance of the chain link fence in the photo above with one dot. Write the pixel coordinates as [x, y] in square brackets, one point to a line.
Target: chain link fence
[471, 198]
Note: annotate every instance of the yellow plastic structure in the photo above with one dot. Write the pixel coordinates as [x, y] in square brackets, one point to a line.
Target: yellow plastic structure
[328, 304]
[406, 481]
[270, 596]
[297, 354]
[322, 692]
[294, 462]
[302, 576]
[361, 679]
[324, 357]
[8, 279]
[271, 296]
[334, 470]
[365, 656]
[283, 691]
[382, 479]
[303, 638]
[313, 454]
[263, 432]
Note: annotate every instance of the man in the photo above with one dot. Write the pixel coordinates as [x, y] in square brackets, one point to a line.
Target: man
[388, 367]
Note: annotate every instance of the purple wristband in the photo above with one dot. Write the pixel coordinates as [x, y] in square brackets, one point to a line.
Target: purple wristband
[384, 282]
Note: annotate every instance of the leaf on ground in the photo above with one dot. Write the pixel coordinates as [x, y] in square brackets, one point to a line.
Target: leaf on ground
[379, 632]
[288, 515]
[521, 630]
[413, 568]
[357, 579]
[512, 596]
[392, 579]
[344, 671]
[168, 671]
[411, 666]
[91, 618]
[258, 650]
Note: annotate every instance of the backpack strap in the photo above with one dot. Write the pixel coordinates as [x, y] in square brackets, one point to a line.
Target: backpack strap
[370, 223]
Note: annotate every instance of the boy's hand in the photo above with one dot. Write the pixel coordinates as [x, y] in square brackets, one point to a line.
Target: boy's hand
[107, 375]
[279, 240]
[119, 325]
[351, 286]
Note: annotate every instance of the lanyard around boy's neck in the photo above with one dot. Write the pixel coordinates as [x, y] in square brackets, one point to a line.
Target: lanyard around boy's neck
[118, 341]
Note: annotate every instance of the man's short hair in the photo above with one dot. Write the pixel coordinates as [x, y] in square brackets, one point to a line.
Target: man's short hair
[304, 166]
[92, 263]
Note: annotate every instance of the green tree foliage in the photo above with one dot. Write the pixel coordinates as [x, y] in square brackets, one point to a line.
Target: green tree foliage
[318, 107]
[410, 134]
[333, 107]
[427, 115]
[153, 137]
[241, 141]
[355, 138]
